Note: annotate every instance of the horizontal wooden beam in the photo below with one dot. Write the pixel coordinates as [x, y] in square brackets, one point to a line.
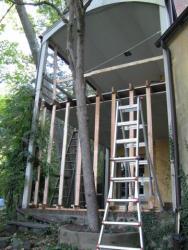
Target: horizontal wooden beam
[139, 91]
[121, 66]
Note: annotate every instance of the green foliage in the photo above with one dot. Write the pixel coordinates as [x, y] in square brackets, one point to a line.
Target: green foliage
[15, 67]
[158, 230]
[184, 204]
[47, 15]
[15, 122]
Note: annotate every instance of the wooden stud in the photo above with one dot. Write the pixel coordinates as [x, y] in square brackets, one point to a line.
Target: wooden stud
[96, 139]
[78, 175]
[113, 118]
[107, 175]
[51, 137]
[150, 139]
[37, 182]
[63, 157]
[149, 120]
[49, 156]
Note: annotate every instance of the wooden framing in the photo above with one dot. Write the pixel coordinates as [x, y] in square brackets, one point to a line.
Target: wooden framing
[63, 157]
[107, 175]
[96, 139]
[105, 97]
[113, 118]
[78, 175]
[49, 156]
[149, 120]
[51, 137]
[37, 182]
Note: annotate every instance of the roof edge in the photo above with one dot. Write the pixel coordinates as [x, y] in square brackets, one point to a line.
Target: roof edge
[59, 24]
[172, 29]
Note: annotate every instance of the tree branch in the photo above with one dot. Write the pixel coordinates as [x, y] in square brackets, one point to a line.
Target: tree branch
[60, 14]
[87, 4]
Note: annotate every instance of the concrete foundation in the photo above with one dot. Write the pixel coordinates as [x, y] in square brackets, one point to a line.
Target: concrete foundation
[88, 240]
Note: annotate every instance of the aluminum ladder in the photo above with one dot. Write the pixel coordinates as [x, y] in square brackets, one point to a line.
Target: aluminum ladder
[127, 143]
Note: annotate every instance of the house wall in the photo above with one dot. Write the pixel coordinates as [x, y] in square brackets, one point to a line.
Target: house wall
[162, 168]
[179, 51]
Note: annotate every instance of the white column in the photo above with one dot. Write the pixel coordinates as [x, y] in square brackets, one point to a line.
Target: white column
[63, 157]
[29, 166]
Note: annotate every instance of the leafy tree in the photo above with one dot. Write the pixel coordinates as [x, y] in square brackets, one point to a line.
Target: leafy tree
[15, 120]
[75, 49]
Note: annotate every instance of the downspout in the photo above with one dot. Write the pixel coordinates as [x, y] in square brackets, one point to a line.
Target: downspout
[174, 158]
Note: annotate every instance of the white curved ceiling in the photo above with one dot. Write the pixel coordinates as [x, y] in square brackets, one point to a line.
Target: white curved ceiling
[112, 29]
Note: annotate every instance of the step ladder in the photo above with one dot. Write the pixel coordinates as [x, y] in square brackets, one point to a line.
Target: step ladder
[70, 169]
[134, 162]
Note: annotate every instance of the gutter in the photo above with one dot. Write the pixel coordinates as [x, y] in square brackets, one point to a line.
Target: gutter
[174, 149]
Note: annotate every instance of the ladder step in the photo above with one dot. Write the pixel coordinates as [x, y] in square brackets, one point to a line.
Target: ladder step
[126, 141]
[129, 159]
[122, 223]
[144, 179]
[143, 162]
[123, 200]
[124, 179]
[141, 145]
[133, 127]
[116, 247]
[128, 108]
[130, 123]
[124, 159]
[130, 179]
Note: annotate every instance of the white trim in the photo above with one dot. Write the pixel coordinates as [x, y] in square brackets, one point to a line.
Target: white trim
[29, 165]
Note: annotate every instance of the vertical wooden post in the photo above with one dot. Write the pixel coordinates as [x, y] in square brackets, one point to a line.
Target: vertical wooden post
[29, 166]
[107, 164]
[96, 139]
[37, 182]
[149, 120]
[113, 118]
[63, 157]
[150, 138]
[49, 156]
[131, 149]
[50, 143]
[78, 175]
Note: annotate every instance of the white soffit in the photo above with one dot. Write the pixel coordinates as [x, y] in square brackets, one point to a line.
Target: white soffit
[113, 27]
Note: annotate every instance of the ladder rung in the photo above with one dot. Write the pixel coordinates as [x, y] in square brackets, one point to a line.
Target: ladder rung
[130, 123]
[143, 162]
[123, 200]
[126, 141]
[141, 145]
[124, 179]
[144, 179]
[133, 127]
[116, 247]
[124, 159]
[122, 223]
[128, 108]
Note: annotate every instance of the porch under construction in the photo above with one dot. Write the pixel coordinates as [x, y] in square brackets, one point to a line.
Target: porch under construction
[122, 63]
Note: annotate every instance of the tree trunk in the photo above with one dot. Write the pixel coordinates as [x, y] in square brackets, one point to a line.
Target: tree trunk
[28, 30]
[76, 31]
